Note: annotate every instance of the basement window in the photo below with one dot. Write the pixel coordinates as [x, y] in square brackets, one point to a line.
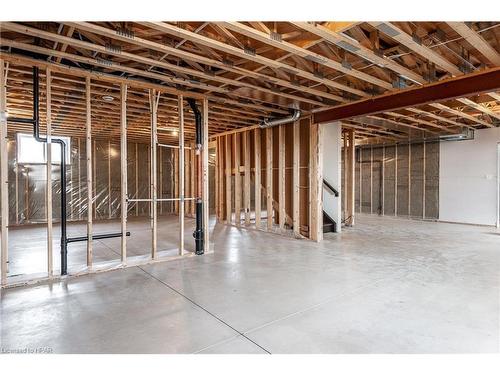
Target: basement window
[29, 151]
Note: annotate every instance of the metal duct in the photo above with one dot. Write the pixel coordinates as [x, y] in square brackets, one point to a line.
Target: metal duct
[268, 123]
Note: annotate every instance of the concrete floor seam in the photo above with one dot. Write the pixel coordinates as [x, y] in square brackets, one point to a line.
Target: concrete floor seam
[204, 309]
[319, 304]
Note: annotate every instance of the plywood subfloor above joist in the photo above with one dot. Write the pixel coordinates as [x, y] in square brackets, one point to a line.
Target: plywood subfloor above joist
[251, 70]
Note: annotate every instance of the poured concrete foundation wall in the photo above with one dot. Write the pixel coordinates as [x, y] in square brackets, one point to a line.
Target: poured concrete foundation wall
[468, 179]
[398, 180]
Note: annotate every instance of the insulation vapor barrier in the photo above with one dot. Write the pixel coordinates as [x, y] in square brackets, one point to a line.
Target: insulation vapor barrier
[27, 182]
[398, 180]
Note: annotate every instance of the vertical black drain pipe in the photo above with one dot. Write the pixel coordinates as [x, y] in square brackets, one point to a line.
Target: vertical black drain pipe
[36, 134]
[198, 233]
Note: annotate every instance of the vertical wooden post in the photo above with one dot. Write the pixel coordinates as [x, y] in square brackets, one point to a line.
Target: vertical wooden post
[382, 184]
[350, 177]
[371, 179]
[187, 187]
[4, 191]
[109, 176]
[246, 189]
[136, 195]
[360, 180]
[154, 99]
[17, 188]
[409, 179]
[220, 181]
[228, 179]
[180, 109]
[48, 119]
[123, 162]
[94, 180]
[176, 179]
[344, 173]
[281, 176]
[89, 165]
[269, 177]
[258, 183]
[237, 179]
[206, 205]
[217, 183]
[79, 180]
[396, 180]
[160, 181]
[296, 178]
[316, 163]
[423, 181]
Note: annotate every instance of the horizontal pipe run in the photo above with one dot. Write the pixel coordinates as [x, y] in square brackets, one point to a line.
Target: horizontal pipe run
[160, 199]
[21, 120]
[97, 237]
[172, 146]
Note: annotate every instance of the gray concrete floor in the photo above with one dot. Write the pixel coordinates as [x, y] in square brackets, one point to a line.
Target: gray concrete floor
[385, 286]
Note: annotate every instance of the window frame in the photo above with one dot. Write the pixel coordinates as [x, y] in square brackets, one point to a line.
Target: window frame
[65, 139]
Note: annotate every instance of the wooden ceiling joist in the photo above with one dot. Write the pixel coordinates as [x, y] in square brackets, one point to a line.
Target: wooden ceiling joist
[363, 71]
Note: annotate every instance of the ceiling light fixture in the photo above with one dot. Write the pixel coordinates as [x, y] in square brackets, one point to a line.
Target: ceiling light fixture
[107, 98]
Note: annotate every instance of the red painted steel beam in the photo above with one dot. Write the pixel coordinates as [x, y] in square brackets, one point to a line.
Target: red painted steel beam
[456, 87]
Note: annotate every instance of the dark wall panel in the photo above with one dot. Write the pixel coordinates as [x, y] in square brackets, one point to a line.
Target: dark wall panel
[432, 180]
[402, 180]
[417, 180]
[366, 195]
[389, 180]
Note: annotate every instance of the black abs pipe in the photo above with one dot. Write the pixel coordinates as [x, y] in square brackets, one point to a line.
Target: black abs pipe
[36, 134]
[97, 237]
[197, 119]
[198, 233]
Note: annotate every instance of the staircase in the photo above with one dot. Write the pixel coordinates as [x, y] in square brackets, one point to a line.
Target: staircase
[329, 225]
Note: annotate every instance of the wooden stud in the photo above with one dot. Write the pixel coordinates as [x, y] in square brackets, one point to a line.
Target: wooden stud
[109, 179]
[296, 179]
[220, 182]
[382, 184]
[228, 179]
[79, 181]
[136, 195]
[423, 181]
[205, 197]
[193, 179]
[409, 179]
[17, 188]
[281, 176]
[350, 182]
[89, 165]
[160, 179]
[48, 171]
[316, 180]
[360, 180]
[344, 174]
[123, 161]
[94, 180]
[4, 181]
[176, 179]
[154, 98]
[237, 179]
[246, 185]
[258, 182]
[371, 179]
[395, 180]
[181, 174]
[269, 178]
